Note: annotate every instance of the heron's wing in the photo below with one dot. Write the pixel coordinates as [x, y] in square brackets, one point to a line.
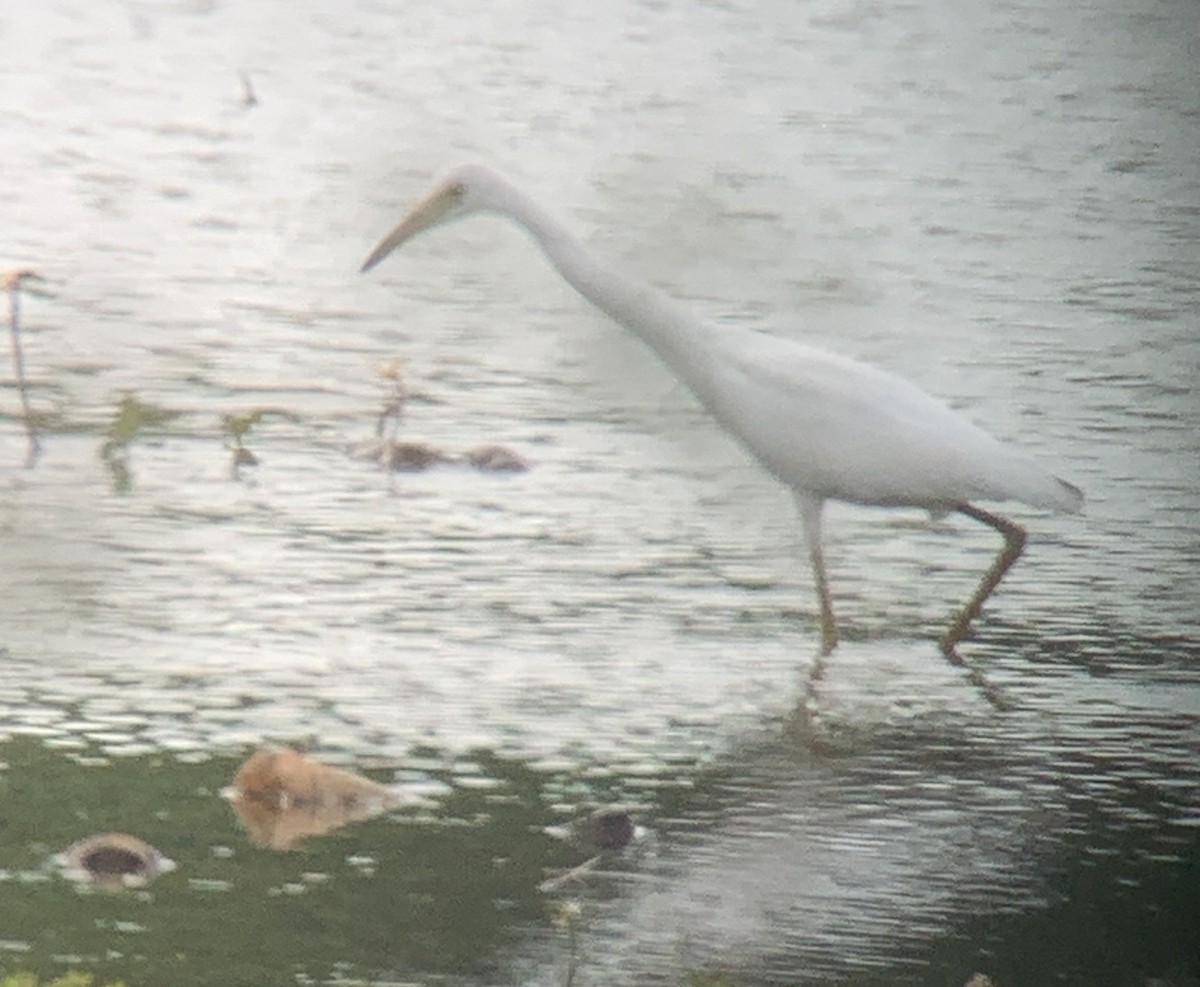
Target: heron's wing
[839, 428]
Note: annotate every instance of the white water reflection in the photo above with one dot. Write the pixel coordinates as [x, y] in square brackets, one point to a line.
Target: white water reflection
[995, 200]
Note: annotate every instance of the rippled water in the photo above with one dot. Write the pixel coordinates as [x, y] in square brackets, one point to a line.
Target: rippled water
[997, 200]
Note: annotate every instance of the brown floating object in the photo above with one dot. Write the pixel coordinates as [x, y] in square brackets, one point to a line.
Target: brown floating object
[281, 797]
[399, 455]
[496, 459]
[113, 861]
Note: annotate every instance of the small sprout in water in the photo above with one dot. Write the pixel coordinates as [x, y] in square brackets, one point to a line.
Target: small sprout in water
[566, 914]
[394, 400]
[113, 861]
[13, 282]
[394, 370]
[237, 427]
[567, 917]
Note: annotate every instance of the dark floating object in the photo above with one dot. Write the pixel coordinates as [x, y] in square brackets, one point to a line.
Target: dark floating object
[281, 797]
[603, 832]
[113, 861]
[496, 459]
[402, 456]
[398, 455]
[608, 828]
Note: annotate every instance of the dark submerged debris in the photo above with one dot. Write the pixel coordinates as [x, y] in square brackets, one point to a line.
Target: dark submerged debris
[603, 832]
[398, 455]
[496, 459]
[608, 828]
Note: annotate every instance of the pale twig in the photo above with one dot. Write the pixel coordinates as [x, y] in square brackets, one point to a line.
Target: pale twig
[12, 282]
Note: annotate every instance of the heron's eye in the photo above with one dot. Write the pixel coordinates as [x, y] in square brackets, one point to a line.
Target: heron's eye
[457, 191]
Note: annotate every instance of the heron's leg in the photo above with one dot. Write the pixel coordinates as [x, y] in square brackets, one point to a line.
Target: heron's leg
[810, 513]
[1014, 542]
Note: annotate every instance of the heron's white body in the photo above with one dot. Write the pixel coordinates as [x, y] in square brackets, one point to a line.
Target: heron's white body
[833, 428]
[830, 427]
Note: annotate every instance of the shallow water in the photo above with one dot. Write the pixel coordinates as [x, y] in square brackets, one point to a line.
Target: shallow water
[996, 200]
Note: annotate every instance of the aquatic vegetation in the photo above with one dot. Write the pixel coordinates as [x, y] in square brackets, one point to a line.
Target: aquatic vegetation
[14, 282]
[235, 428]
[395, 398]
[133, 417]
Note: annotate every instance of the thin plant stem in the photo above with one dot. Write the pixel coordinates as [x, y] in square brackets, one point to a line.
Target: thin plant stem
[14, 309]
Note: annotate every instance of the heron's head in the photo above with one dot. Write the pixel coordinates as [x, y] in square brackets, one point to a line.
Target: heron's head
[467, 189]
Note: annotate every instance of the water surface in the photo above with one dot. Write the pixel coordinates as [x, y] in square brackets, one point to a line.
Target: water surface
[997, 200]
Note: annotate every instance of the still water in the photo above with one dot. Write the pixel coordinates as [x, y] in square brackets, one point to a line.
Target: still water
[999, 200]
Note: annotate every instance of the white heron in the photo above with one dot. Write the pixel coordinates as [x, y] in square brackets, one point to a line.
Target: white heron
[829, 427]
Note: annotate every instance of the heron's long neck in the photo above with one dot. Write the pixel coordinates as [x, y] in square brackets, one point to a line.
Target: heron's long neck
[669, 329]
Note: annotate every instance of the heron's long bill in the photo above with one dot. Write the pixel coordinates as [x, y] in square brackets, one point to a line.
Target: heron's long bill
[428, 212]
